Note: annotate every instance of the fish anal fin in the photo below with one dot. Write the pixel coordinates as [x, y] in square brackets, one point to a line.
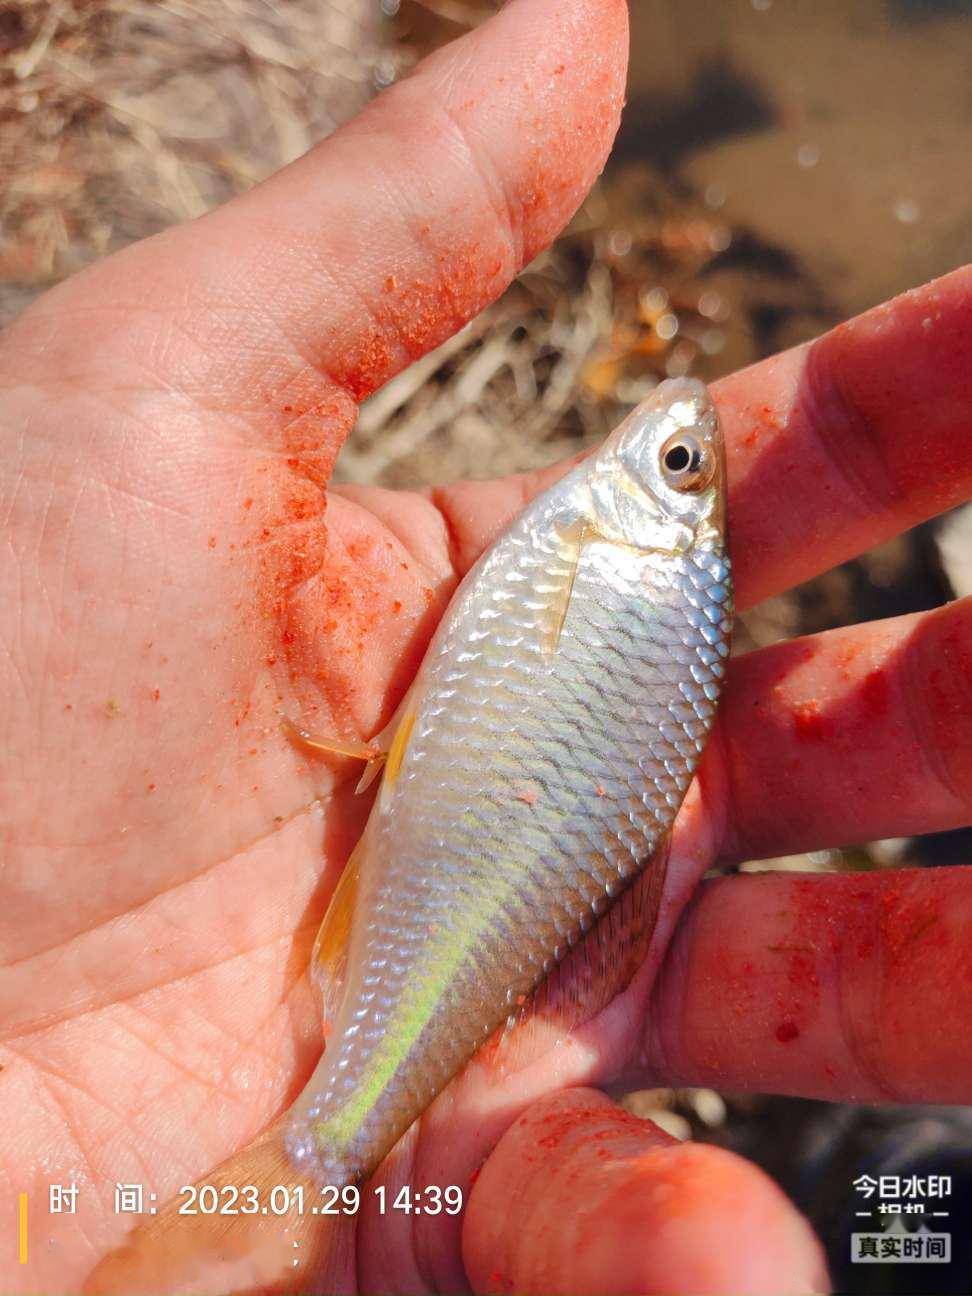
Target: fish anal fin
[329, 958]
[286, 1250]
[598, 968]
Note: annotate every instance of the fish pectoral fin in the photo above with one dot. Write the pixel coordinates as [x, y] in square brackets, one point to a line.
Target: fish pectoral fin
[375, 752]
[330, 743]
[600, 965]
[572, 536]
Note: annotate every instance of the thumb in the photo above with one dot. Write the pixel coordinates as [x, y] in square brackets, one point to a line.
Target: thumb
[296, 300]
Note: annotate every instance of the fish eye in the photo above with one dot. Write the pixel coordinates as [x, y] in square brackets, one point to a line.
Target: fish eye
[686, 464]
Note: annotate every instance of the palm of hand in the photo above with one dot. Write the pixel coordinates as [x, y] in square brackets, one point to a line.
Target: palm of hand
[180, 579]
[148, 1059]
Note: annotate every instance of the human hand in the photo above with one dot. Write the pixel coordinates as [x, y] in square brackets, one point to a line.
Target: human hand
[170, 422]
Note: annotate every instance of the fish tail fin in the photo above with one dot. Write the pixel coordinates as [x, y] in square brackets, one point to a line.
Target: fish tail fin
[281, 1247]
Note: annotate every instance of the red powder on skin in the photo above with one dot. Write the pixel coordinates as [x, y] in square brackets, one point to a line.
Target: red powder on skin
[875, 693]
[908, 915]
[945, 652]
[361, 547]
[809, 725]
[557, 1127]
[787, 1031]
[408, 314]
[845, 657]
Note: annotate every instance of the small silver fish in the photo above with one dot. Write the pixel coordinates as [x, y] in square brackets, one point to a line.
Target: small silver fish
[537, 765]
[534, 771]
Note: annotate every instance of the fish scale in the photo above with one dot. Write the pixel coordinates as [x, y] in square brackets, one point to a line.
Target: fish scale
[556, 723]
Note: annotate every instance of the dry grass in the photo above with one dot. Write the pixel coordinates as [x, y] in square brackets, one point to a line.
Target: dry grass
[120, 117]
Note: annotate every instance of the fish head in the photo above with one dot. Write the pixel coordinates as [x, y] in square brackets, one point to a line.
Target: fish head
[659, 480]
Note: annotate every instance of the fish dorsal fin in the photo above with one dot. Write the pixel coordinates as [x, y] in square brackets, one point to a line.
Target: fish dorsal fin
[329, 959]
[591, 975]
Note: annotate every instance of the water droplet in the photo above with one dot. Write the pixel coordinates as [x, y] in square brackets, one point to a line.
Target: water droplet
[619, 244]
[712, 306]
[654, 301]
[667, 326]
[715, 195]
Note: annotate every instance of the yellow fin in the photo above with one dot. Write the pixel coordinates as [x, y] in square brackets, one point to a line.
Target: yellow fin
[375, 752]
[330, 743]
[370, 773]
[396, 752]
[329, 959]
